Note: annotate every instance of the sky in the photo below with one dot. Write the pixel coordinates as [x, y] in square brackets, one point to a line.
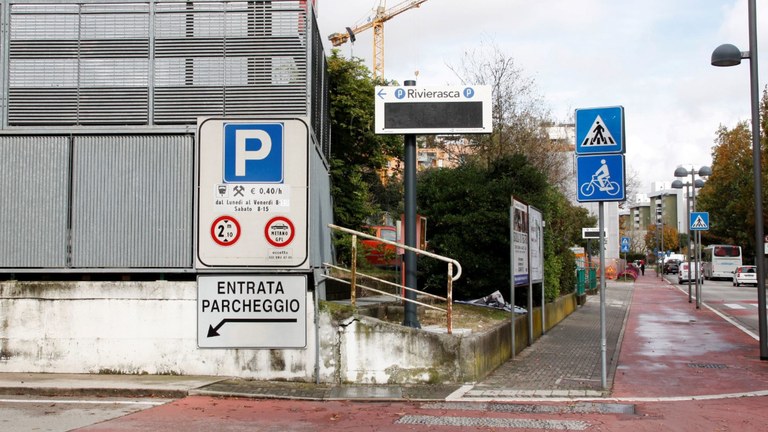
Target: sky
[652, 57]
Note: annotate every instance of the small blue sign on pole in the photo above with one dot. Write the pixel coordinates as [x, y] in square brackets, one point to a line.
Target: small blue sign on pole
[600, 130]
[699, 221]
[600, 177]
[625, 245]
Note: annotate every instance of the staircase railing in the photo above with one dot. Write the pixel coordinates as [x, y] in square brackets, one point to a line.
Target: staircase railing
[354, 273]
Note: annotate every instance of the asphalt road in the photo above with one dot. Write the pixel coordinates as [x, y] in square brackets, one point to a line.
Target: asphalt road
[738, 304]
[59, 414]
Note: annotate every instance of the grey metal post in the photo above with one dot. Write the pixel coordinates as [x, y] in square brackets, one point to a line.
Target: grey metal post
[543, 299]
[603, 380]
[512, 268]
[411, 318]
[691, 256]
[663, 249]
[757, 173]
[530, 285]
[696, 243]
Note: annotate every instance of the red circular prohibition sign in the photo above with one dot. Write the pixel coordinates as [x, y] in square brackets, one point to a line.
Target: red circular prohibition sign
[226, 241]
[290, 227]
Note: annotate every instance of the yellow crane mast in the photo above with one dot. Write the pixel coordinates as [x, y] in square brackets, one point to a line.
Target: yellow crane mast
[377, 24]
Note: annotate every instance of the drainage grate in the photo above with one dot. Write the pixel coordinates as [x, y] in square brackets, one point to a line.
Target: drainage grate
[707, 365]
[577, 408]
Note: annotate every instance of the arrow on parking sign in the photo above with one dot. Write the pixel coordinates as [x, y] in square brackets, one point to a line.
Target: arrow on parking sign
[214, 331]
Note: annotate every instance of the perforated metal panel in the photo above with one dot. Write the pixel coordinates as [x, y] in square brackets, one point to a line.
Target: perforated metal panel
[34, 181]
[132, 201]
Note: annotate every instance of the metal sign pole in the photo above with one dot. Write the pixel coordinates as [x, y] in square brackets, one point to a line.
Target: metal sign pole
[512, 268]
[411, 318]
[603, 380]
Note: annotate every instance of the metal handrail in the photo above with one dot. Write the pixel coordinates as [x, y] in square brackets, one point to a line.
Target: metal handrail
[354, 273]
[400, 245]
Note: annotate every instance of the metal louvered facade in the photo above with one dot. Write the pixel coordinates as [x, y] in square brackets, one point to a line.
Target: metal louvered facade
[154, 62]
[99, 101]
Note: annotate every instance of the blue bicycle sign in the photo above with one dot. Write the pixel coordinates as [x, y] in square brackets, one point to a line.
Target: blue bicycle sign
[597, 177]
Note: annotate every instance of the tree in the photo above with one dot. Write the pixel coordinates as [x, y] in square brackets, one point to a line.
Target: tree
[468, 213]
[731, 220]
[357, 153]
[520, 119]
[653, 238]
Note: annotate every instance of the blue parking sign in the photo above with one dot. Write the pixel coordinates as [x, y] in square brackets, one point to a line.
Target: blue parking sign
[253, 153]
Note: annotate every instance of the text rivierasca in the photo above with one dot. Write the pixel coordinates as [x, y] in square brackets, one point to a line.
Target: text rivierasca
[436, 94]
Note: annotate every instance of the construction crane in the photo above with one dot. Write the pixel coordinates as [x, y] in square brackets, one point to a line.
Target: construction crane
[377, 24]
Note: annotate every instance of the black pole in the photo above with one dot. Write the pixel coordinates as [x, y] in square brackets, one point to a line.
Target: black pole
[762, 320]
[411, 318]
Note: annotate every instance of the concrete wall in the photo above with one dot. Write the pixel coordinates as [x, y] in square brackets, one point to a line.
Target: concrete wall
[150, 328]
[131, 328]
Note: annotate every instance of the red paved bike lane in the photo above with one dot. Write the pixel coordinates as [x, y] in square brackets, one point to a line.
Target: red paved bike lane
[670, 348]
[679, 369]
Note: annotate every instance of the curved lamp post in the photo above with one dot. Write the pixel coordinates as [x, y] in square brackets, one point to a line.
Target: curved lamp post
[698, 183]
[729, 55]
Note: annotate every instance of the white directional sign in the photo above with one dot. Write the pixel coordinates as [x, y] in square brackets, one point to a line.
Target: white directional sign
[252, 193]
[593, 233]
[433, 110]
[252, 311]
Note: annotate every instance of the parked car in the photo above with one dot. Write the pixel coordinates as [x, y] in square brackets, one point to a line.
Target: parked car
[745, 275]
[682, 274]
[671, 266]
[378, 253]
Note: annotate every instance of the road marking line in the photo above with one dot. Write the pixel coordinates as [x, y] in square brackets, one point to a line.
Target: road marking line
[733, 305]
[460, 392]
[728, 319]
[84, 401]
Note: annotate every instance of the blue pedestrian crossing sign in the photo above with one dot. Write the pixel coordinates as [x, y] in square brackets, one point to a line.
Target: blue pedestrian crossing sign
[625, 245]
[600, 130]
[699, 221]
[600, 178]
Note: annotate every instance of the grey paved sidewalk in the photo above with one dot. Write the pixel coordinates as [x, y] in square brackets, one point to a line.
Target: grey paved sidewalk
[565, 362]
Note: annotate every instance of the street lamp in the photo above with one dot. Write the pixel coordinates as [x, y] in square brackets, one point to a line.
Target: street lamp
[698, 183]
[704, 171]
[729, 55]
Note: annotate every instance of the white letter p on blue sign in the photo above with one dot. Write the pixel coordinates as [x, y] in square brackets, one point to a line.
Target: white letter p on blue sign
[253, 153]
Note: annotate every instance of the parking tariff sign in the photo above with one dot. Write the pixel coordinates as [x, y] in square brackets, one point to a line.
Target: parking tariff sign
[253, 175]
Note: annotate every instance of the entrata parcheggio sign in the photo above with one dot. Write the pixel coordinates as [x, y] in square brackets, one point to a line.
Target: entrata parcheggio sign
[252, 311]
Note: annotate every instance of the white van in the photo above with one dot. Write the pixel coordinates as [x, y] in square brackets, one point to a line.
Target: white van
[679, 257]
[682, 273]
